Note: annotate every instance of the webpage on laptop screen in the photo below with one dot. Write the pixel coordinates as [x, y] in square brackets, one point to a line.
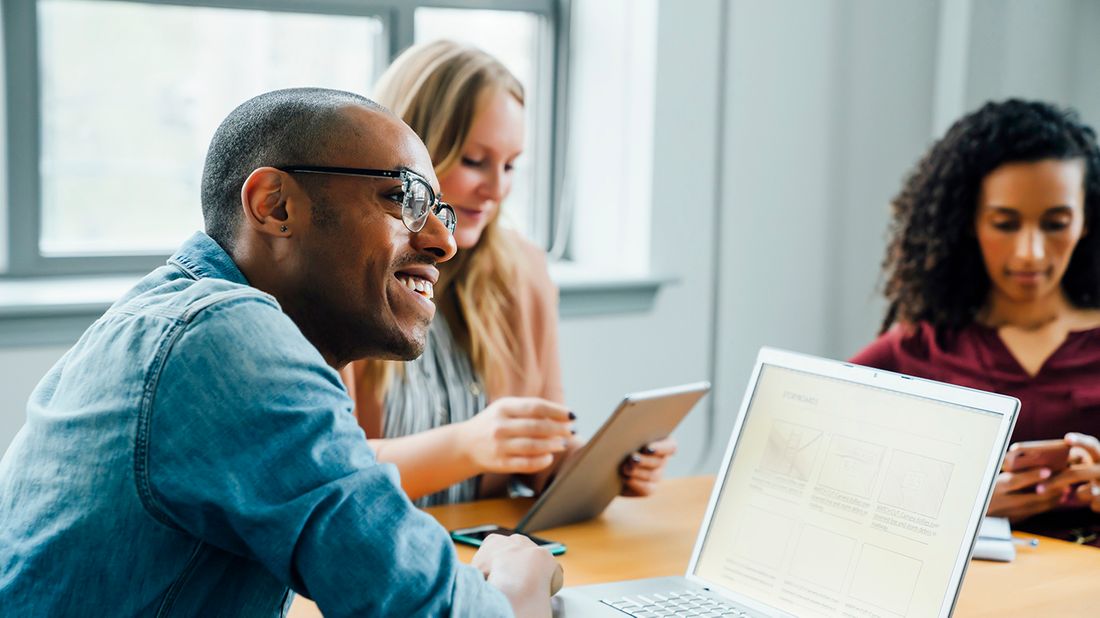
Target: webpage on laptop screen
[845, 499]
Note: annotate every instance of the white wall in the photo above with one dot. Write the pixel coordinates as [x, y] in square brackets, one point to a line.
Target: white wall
[885, 71]
[1047, 50]
[775, 186]
[608, 356]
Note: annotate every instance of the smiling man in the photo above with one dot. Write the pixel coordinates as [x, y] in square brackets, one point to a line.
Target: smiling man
[195, 452]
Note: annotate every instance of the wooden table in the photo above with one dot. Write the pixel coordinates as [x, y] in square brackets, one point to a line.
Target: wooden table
[654, 536]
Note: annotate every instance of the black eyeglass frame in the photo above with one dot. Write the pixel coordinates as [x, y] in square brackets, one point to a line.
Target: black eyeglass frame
[406, 176]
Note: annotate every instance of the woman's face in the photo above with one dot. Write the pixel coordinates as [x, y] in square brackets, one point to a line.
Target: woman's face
[482, 178]
[1030, 217]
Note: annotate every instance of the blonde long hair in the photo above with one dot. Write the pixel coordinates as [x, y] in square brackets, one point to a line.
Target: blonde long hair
[437, 89]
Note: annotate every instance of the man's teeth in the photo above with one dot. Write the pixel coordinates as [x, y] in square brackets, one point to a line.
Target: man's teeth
[420, 286]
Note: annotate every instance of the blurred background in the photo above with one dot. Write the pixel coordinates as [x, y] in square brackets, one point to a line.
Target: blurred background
[708, 176]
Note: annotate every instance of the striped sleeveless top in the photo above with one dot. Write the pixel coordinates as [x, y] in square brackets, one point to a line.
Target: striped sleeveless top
[438, 388]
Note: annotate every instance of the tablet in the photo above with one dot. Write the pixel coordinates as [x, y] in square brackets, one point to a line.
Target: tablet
[590, 480]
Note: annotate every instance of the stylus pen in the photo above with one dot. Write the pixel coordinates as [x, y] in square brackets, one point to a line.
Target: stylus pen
[1030, 542]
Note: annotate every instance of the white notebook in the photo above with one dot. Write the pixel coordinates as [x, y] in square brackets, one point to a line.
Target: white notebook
[995, 540]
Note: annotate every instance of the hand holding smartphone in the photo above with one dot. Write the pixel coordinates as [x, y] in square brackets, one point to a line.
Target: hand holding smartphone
[476, 535]
[1051, 454]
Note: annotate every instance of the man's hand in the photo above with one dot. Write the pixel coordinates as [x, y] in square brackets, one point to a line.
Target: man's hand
[524, 572]
[642, 470]
[517, 435]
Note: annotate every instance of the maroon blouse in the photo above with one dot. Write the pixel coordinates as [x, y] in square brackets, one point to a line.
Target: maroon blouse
[1064, 396]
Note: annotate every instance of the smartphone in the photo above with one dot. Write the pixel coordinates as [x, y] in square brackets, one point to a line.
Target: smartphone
[474, 536]
[1053, 454]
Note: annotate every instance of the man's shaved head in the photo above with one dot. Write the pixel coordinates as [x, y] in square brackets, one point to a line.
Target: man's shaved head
[279, 128]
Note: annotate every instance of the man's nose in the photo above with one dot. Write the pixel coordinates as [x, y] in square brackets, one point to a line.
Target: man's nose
[435, 239]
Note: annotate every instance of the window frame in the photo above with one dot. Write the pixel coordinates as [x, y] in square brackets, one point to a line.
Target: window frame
[22, 117]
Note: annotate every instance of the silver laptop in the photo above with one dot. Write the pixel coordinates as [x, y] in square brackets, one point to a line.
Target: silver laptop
[845, 491]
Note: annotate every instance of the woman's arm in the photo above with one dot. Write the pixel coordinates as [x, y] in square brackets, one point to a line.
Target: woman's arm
[880, 353]
[1083, 476]
[643, 470]
[1019, 495]
[429, 461]
[535, 324]
[511, 435]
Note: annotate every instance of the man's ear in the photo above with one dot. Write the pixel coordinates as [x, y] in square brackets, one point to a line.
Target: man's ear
[264, 197]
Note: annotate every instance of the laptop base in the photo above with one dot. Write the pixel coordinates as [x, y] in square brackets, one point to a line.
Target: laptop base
[644, 598]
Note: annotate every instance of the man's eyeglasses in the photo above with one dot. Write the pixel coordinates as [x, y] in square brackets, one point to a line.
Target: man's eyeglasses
[417, 199]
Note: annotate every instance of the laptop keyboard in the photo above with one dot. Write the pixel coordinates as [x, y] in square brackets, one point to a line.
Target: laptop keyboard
[686, 603]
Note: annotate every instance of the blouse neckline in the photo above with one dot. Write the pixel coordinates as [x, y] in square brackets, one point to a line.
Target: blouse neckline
[994, 334]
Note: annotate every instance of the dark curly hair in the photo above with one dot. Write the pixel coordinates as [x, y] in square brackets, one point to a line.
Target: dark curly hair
[933, 269]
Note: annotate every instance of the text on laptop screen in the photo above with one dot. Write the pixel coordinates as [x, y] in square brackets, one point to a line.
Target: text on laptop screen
[844, 499]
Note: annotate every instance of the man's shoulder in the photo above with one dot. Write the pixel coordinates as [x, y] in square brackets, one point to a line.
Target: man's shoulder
[225, 296]
[237, 343]
[236, 318]
[170, 293]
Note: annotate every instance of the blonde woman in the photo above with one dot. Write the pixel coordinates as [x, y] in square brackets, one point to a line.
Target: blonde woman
[481, 410]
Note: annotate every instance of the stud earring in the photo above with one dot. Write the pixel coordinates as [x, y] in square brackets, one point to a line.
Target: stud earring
[282, 228]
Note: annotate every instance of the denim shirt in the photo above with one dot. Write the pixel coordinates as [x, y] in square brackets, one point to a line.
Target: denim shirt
[193, 455]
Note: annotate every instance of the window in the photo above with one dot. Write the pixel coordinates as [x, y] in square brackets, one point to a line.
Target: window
[609, 160]
[111, 105]
[124, 135]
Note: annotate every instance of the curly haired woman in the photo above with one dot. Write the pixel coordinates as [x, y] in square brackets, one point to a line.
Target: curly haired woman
[993, 279]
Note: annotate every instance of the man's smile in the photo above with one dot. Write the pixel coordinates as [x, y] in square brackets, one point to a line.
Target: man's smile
[419, 279]
[415, 284]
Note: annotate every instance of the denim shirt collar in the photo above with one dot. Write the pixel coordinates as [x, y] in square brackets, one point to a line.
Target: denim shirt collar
[201, 257]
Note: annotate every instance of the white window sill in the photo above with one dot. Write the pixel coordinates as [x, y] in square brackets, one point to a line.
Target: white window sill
[60, 295]
[584, 292]
[56, 310]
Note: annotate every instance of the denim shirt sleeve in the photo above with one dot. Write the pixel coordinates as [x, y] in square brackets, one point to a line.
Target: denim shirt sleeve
[253, 448]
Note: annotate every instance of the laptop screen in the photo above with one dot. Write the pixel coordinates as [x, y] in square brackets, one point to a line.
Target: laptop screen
[844, 499]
